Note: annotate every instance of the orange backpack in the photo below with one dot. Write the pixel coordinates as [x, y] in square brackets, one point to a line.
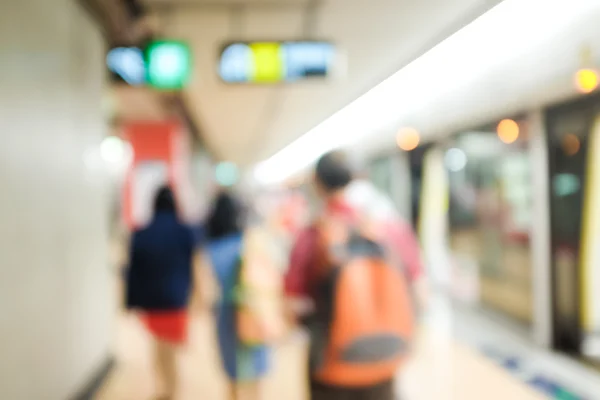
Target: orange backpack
[364, 308]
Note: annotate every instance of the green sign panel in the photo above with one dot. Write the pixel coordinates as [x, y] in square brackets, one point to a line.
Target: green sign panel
[169, 64]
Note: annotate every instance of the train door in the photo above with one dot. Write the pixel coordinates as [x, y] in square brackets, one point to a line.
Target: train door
[573, 159]
[490, 219]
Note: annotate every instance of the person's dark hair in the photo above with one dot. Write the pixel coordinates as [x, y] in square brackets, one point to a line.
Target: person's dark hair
[333, 171]
[164, 200]
[226, 217]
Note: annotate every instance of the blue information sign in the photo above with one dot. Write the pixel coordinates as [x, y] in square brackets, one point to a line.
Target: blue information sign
[276, 62]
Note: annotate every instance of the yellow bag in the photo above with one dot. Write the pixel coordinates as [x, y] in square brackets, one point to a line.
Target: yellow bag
[260, 318]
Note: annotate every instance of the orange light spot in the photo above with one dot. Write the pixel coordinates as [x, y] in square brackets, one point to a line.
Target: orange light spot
[408, 139]
[586, 80]
[571, 144]
[508, 131]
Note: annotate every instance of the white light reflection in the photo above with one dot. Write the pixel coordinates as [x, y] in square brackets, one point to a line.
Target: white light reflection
[455, 159]
[115, 152]
[226, 174]
[500, 36]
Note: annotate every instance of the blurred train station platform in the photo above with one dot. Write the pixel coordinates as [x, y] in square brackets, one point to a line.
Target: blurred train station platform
[460, 354]
[475, 121]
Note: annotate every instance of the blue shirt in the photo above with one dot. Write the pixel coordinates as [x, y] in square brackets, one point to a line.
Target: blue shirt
[159, 277]
[241, 362]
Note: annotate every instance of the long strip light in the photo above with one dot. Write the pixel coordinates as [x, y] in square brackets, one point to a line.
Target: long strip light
[500, 36]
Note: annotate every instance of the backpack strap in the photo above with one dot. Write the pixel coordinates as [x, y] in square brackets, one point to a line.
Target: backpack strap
[333, 234]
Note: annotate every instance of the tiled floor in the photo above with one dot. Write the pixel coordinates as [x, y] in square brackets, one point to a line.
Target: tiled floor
[132, 378]
[440, 369]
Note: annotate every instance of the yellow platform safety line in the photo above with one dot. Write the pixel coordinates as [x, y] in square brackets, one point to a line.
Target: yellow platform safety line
[590, 226]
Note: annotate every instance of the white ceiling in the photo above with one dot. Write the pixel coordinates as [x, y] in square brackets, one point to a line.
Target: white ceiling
[246, 124]
[132, 103]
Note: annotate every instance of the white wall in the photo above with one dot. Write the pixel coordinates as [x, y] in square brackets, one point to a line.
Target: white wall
[56, 303]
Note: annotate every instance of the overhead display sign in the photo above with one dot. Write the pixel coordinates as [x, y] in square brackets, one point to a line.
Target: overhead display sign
[127, 64]
[276, 62]
[164, 64]
[169, 64]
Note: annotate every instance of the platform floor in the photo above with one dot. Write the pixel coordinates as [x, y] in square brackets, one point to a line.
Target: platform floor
[441, 369]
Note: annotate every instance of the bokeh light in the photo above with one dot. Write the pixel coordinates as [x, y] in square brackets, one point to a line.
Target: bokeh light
[571, 144]
[113, 150]
[455, 159]
[226, 174]
[508, 131]
[408, 139]
[586, 80]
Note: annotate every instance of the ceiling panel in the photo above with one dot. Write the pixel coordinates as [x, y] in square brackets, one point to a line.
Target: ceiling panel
[247, 123]
[132, 104]
[225, 3]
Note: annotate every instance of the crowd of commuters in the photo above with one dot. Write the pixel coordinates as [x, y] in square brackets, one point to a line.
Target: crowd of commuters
[356, 247]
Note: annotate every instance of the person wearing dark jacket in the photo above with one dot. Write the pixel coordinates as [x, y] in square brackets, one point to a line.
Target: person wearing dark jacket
[159, 283]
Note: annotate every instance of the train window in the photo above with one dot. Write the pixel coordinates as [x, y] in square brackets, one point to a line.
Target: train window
[380, 174]
[490, 216]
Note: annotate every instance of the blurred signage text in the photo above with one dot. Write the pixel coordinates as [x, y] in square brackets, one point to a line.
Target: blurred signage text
[163, 65]
[276, 62]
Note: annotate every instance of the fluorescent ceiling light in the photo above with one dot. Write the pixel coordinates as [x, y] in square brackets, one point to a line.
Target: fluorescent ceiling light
[499, 37]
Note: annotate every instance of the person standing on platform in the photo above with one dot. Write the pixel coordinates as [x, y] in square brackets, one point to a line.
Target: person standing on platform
[159, 284]
[348, 284]
[245, 353]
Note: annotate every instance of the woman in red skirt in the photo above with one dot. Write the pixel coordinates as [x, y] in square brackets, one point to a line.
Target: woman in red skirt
[159, 283]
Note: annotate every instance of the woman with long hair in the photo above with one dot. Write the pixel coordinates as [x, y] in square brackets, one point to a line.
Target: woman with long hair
[245, 365]
[159, 284]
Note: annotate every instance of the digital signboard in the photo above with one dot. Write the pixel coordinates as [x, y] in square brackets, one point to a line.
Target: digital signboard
[276, 62]
[127, 64]
[164, 64]
[169, 64]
